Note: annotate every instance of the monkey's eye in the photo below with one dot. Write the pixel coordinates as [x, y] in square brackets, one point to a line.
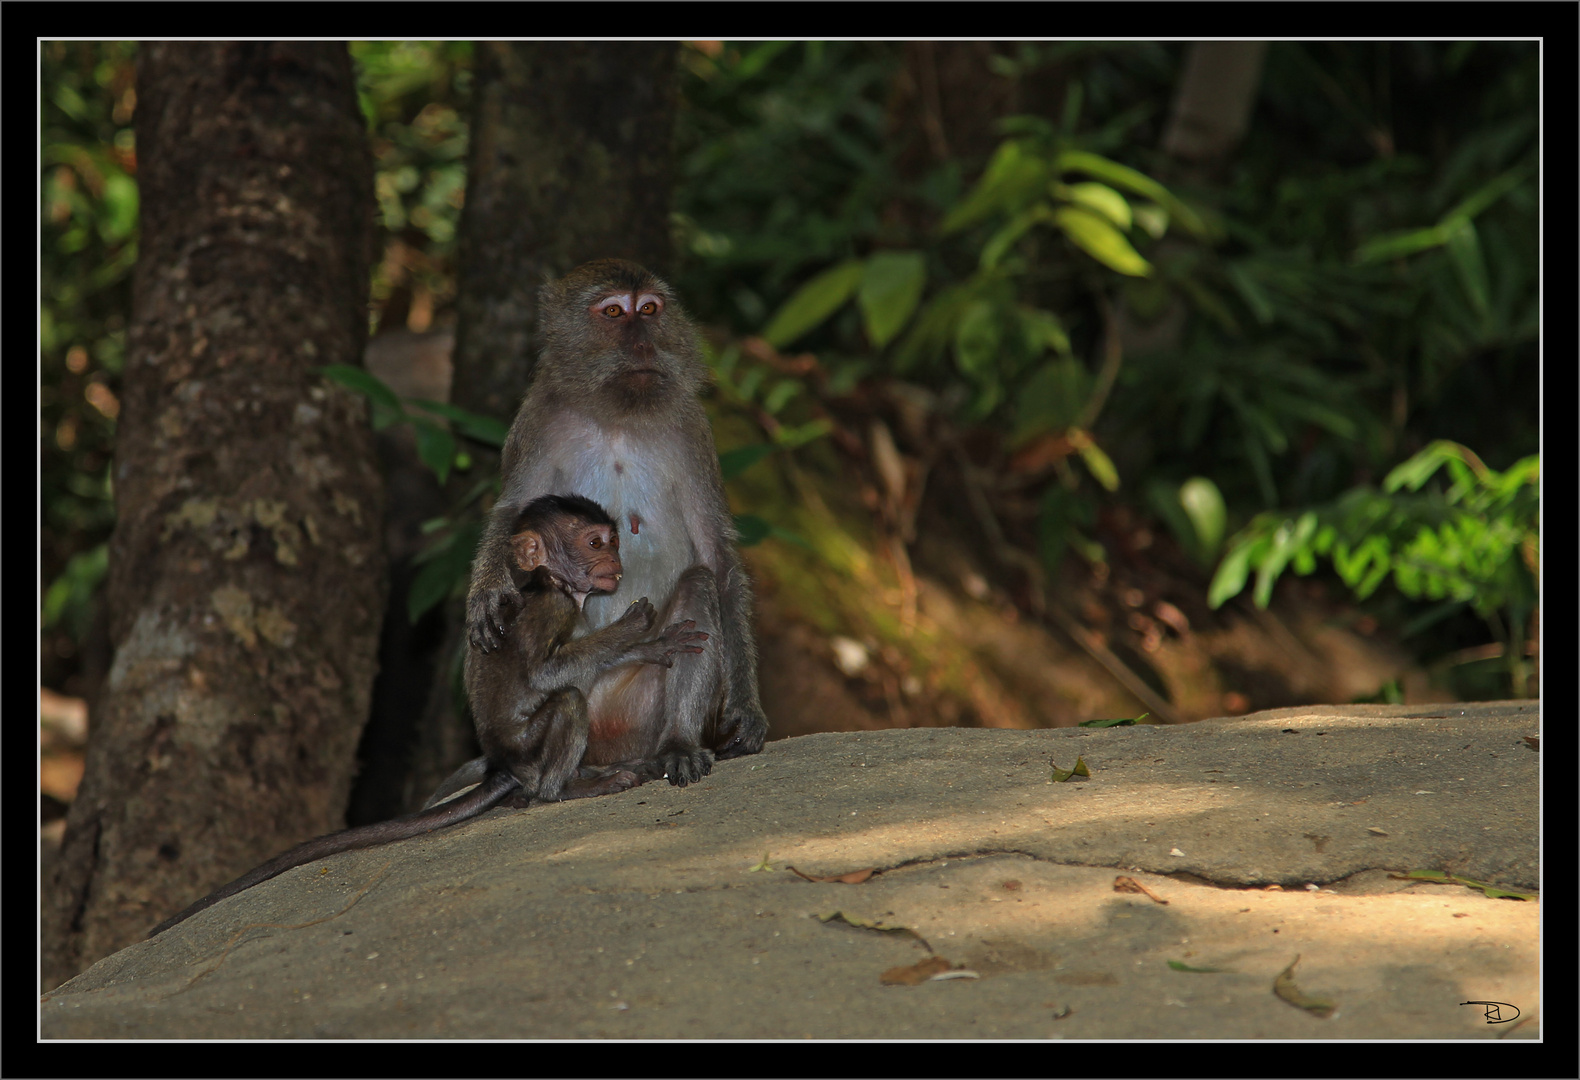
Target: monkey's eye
[649, 308]
[596, 542]
[613, 311]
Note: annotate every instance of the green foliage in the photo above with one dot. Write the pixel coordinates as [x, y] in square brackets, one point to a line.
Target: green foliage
[446, 561]
[416, 96]
[445, 566]
[88, 244]
[1376, 287]
[1475, 542]
[69, 598]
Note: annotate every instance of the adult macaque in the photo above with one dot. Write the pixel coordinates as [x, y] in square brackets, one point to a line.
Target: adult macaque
[613, 413]
[528, 699]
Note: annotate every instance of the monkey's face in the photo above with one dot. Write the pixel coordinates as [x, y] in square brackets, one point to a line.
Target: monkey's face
[614, 329]
[579, 557]
[627, 321]
[599, 557]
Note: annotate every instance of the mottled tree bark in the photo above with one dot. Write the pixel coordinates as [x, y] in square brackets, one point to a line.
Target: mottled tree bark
[246, 570]
[571, 159]
[1212, 106]
[1208, 117]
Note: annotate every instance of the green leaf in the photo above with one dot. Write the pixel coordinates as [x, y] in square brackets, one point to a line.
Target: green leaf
[446, 565]
[1125, 721]
[1490, 192]
[363, 382]
[1203, 504]
[1052, 398]
[1099, 198]
[1078, 769]
[778, 397]
[1464, 248]
[977, 339]
[435, 447]
[1420, 466]
[1097, 463]
[1042, 330]
[1122, 176]
[484, 429]
[891, 287]
[1251, 292]
[1231, 576]
[1012, 178]
[1290, 538]
[1000, 243]
[751, 529]
[1398, 245]
[1284, 986]
[1178, 965]
[734, 462]
[790, 436]
[1101, 241]
[813, 302]
[118, 216]
[1153, 219]
[1437, 877]
[430, 587]
[73, 591]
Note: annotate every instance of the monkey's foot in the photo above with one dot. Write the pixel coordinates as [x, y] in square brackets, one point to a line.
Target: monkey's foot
[592, 787]
[681, 766]
[742, 734]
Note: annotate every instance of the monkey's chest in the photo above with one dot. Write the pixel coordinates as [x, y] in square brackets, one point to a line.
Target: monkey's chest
[638, 483]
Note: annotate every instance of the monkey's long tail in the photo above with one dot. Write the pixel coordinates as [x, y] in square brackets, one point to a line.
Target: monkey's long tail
[495, 787]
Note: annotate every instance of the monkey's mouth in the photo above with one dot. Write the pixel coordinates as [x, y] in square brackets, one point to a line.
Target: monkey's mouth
[604, 583]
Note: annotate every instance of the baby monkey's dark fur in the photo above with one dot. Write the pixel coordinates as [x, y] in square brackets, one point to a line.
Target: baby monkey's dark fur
[528, 699]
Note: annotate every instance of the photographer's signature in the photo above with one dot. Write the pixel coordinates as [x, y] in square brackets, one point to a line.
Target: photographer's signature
[1493, 1011]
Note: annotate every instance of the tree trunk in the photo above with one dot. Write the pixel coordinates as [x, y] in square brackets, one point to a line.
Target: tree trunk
[246, 575]
[1213, 104]
[1209, 116]
[571, 159]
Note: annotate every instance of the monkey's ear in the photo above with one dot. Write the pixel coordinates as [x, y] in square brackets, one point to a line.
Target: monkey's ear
[529, 550]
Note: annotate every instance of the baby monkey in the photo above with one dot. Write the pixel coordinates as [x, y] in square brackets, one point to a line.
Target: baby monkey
[529, 698]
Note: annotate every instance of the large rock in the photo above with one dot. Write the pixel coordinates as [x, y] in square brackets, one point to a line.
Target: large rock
[650, 914]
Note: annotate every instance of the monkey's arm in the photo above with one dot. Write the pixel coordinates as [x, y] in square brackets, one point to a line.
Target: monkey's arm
[624, 641]
[742, 726]
[492, 598]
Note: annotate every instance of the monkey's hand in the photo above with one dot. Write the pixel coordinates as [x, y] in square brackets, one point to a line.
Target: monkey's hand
[489, 613]
[677, 638]
[741, 732]
[637, 620]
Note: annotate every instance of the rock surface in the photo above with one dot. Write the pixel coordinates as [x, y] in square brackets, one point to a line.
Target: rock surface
[664, 912]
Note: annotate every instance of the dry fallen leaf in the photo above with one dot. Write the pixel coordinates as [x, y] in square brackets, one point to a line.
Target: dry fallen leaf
[1284, 986]
[872, 924]
[855, 877]
[1534, 742]
[914, 974]
[1130, 884]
